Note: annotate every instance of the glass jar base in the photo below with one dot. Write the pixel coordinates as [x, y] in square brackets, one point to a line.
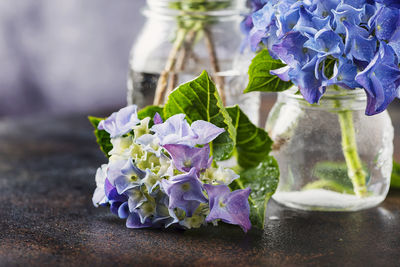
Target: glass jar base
[325, 200]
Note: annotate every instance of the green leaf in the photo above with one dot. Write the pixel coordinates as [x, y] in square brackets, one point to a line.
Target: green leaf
[102, 137]
[260, 78]
[199, 100]
[150, 111]
[252, 143]
[395, 181]
[263, 181]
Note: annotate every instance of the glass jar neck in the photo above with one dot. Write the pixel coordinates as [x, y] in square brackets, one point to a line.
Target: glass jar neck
[197, 7]
[334, 99]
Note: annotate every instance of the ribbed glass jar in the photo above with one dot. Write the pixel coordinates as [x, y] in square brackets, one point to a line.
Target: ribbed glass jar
[179, 40]
[332, 157]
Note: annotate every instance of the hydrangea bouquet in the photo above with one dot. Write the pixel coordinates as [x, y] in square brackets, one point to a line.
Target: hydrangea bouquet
[174, 165]
[328, 45]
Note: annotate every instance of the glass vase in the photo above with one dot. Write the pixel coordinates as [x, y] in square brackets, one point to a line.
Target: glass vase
[332, 157]
[179, 40]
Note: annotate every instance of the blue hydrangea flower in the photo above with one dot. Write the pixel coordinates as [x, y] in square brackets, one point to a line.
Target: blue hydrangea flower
[230, 207]
[310, 24]
[344, 74]
[386, 22]
[326, 43]
[121, 122]
[381, 80]
[307, 34]
[358, 43]
[346, 13]
[310, 87]
[186, 157]
[185, 191]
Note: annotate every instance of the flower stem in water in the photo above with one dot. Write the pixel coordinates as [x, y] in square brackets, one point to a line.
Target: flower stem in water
[350, 152]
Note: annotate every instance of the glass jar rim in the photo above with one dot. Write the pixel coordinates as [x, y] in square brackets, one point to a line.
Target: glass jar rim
[171, 7]
[333, 99]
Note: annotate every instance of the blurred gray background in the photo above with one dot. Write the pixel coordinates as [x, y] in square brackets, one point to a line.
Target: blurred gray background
[65, 56]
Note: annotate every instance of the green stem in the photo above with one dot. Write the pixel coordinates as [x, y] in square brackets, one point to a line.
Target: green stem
[349, 146]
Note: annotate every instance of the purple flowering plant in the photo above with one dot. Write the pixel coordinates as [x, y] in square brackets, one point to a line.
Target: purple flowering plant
[320, 45]
[168, 165]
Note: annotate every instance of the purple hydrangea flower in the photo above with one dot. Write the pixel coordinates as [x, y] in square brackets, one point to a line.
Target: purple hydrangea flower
[124, 175]
[121, 122]
[185, 191]
[176, 130]
[230, 207]
[186, 157]
[381, 80]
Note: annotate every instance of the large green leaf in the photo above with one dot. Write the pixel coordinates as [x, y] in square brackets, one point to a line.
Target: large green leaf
[263, 181]
[102, 137]
[199, 100]
[252, 143]
[395, 181]
[260, 78]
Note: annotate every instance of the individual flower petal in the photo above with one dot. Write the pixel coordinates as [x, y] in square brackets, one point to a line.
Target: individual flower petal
[121, 147]
[358, 44]
[230, 207]
[150, 143]
[389, 3]
[146, 210]
[157, 118]
[291, 49]
[99, 196]
[344, 75]
[133, 221]
[381, 80]
[282, 73]
[395, 42]
[185, 157]
[205, 131]
[135, 198]
[121, 122]
[310, 87]
[326, 42]
[123, 210]
[184, 192]
[387, 21]
[151, 181]
[142, 128]
[219, 175]
[310, 24]
[346, 13]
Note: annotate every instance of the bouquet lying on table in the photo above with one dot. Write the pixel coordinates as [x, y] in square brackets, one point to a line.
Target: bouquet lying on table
[188, 163]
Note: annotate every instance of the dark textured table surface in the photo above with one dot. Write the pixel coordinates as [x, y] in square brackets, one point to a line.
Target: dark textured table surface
[47, 168]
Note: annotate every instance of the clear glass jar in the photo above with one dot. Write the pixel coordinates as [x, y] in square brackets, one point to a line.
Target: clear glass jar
[332, 157]
[179, 40]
